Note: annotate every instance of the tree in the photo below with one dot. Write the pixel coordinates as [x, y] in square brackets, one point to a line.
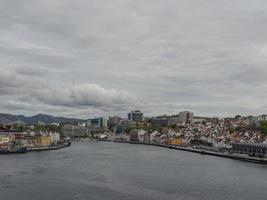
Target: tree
[263, 127]
[39, 127]
[238, 129]
[156, 127]
[231, 129]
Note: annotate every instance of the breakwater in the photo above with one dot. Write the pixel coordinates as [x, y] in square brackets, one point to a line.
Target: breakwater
[203, 152]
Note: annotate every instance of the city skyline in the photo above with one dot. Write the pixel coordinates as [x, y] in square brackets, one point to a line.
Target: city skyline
[103, 58]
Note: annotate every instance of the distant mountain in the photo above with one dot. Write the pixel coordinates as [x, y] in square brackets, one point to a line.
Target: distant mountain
[46, 119]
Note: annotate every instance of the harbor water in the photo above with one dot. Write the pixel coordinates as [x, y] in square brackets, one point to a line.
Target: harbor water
[105, 170]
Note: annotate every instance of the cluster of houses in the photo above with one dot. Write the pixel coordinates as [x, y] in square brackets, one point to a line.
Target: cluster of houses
[208, 133]
[29, 139]
[226, 130]
[182, 130]
[168, 136]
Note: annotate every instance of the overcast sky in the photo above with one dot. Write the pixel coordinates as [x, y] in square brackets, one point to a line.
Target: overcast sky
[86, 58]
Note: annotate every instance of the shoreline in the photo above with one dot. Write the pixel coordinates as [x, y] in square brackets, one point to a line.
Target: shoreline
[35, 149]
[46, 148]
[203, 152]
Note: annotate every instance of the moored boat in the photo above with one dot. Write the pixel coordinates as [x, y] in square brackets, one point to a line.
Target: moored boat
[13, 150]
[19, 150]
[68, 143]
[4, 151]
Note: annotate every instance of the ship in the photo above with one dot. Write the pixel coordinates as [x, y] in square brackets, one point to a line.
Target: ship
[68, 143]
[13, 148]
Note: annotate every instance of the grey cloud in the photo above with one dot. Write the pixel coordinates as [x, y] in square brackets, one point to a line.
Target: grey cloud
[84, 95]
[160, 56]
[21, 90]
[32, 71]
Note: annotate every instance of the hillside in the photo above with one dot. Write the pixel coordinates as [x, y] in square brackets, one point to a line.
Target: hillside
[46, 119]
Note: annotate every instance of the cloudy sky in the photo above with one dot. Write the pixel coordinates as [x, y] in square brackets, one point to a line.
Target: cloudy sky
[85, 58]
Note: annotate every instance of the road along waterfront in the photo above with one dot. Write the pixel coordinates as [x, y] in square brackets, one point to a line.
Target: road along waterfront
[205, 152]
[103, 170]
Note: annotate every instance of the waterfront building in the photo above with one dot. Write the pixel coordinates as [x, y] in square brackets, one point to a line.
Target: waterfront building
[250, 149]
[141, 135]
[163, 139]
[124, 126]
[175, 141]
[74, 131]
[55, 138]
[155, 137]
[37, 139]
[18, 135]
[43, 140]
[5, 140]
[146, 137]
[136, 116]
[137, 135]
[30, 140]
[121, 137]
[97, 131]
[134, 136]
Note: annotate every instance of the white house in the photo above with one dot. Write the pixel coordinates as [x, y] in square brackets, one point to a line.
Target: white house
[155, 137]
[141, 134]
[55, 137]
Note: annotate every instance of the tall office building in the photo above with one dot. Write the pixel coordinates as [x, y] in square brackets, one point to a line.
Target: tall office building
[97, 122]
[186, 117]
[135, 116]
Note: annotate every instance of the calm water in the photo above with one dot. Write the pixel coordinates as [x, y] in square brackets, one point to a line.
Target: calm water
[127, 172]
